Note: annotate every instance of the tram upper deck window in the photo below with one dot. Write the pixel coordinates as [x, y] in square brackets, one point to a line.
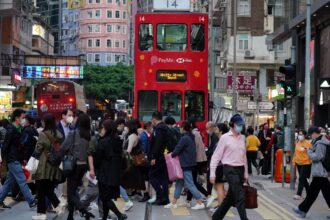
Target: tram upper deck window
[171, 104]
[172, 37]
[195, 105]
[146, 38]
[197, 37]
[147, 104]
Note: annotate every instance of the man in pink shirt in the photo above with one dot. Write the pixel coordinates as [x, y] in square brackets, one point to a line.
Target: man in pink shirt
[231, 152]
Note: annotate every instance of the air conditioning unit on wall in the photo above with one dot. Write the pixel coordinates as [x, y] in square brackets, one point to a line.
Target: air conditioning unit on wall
[248, 54]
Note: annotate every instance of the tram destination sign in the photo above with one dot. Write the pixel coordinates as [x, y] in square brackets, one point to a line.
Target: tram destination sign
[171, 76]
[171, 5]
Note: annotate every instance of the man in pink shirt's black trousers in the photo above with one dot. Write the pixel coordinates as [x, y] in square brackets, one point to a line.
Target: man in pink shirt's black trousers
[231, 151]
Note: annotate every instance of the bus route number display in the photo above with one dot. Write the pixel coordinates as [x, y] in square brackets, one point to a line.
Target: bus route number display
[171, 76]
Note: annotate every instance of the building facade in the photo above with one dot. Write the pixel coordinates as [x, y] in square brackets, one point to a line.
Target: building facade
[104, 31]
[293, 30]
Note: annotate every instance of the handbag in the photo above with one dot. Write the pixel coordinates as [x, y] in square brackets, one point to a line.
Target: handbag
[138, 157]
[173, 167]
[69, 160]
[32, 165]
[251, 197]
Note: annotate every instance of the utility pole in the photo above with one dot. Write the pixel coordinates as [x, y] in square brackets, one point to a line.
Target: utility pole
[307, 68]
[212, 57]
[234, 66]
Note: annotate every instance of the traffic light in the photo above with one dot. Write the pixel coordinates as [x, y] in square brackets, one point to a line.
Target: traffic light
[289, 84]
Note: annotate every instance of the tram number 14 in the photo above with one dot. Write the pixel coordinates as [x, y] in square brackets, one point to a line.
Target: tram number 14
[172, 3]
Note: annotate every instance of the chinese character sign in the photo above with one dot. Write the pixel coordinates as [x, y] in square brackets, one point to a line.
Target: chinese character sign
[244, 83]
[5, 101]
[54, 72]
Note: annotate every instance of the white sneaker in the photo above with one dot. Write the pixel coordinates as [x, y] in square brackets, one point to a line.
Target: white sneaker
[171, 206]
[39, 216]
[198, 206]
[128, 205]
[60, 209]
[209, 201]
[297, 197]
[152, 200]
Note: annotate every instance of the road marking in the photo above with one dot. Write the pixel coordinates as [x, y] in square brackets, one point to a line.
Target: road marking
[180, 211]
[277, 208]
[265, 212]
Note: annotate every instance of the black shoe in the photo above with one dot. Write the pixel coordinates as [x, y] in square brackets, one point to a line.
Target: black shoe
[33, 204]
[162, 202]
[86, 214]
[122, 217]
[4, 206]
[145, 197]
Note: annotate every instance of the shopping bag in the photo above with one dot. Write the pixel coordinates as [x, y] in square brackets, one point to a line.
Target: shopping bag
[174, 169]
[251, 197]
[32, 165]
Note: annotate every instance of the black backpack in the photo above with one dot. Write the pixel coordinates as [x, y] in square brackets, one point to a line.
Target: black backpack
[54, 154]
[173, 137]
[326, 160]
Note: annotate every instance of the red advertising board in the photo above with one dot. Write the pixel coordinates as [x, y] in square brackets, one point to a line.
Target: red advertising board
[245, 82]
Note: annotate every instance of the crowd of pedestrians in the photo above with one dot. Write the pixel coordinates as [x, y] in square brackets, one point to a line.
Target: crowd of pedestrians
[122, 158]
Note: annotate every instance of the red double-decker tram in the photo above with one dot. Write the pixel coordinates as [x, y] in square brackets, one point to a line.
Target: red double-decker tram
[171, 66]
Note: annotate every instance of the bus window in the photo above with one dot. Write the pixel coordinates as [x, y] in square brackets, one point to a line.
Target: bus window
[55, 87]
[197, 37]
[146, 38]
[195, 105]
[147, 104]
[171, 104]
[172, 37]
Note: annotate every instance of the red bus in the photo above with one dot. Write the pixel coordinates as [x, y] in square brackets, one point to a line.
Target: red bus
[171, 66]
[56, 96]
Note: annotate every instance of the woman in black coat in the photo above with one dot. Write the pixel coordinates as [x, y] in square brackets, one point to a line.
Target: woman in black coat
[108, 164]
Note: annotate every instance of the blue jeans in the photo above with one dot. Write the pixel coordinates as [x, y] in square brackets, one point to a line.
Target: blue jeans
[188, 180]
[15, 173]
[123, 194]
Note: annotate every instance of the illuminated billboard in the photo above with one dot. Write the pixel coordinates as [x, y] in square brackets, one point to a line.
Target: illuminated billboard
[5, 101]
[171, 76]
[53, 72]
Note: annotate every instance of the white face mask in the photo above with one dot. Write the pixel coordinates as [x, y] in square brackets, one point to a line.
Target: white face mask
[69, 119]
[22, 122]
[301, 137]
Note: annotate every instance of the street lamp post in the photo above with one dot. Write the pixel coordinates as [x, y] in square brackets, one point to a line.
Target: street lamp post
[307, 67]
[234, 60]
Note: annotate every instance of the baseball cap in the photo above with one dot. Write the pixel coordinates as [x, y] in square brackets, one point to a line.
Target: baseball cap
[313, 129]
[237, 119]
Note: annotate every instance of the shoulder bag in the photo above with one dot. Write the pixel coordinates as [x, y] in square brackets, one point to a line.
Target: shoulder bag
[69, 160]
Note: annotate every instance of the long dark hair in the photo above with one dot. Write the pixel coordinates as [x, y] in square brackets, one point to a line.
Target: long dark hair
[84, 126]
[50, 123]
[110, 127]
[132, 127]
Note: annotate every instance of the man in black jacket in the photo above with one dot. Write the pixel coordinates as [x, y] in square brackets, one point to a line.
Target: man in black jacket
[158, 171]
[13, 153]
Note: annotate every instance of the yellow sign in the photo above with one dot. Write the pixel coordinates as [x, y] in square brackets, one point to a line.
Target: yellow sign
[5, 101]
[38, 30]
[75, 4]
[171, 76]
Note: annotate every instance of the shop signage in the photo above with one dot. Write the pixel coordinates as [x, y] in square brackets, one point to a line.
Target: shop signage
[245, 82]
[53, 72]
[262, 106]
[324, 83]
[171, 76]
[16, 78]
[6, 101]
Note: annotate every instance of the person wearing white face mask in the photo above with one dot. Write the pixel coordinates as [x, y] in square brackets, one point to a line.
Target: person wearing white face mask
[64, 125]
[303, 163]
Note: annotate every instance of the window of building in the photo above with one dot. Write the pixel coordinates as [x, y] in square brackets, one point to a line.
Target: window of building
[76, 17]
[124, 44]
[194, 105]
[197, 37]
[117, 14]
[124, 29]
[117, 58]
[146, 37]
[97, 28]
[147, 104]
[109, 1]
[124, 2]
[65, 32]
[90, 43]
[109, 14]
[117, 28]
[117, 44]
[220, 83]
[89, 57]
[124, 14]
[98, 1]
[123, 58]
[90, 28]
[97, 43]
[279, 8]
[108, 57]
[97, 58]
[109, 28]
[90, 1]
[244, 8]
[172, 37]
[89, 14]
[97, 13]
[171, 104]
[118, 2]
[243, 41]
[109, 43]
